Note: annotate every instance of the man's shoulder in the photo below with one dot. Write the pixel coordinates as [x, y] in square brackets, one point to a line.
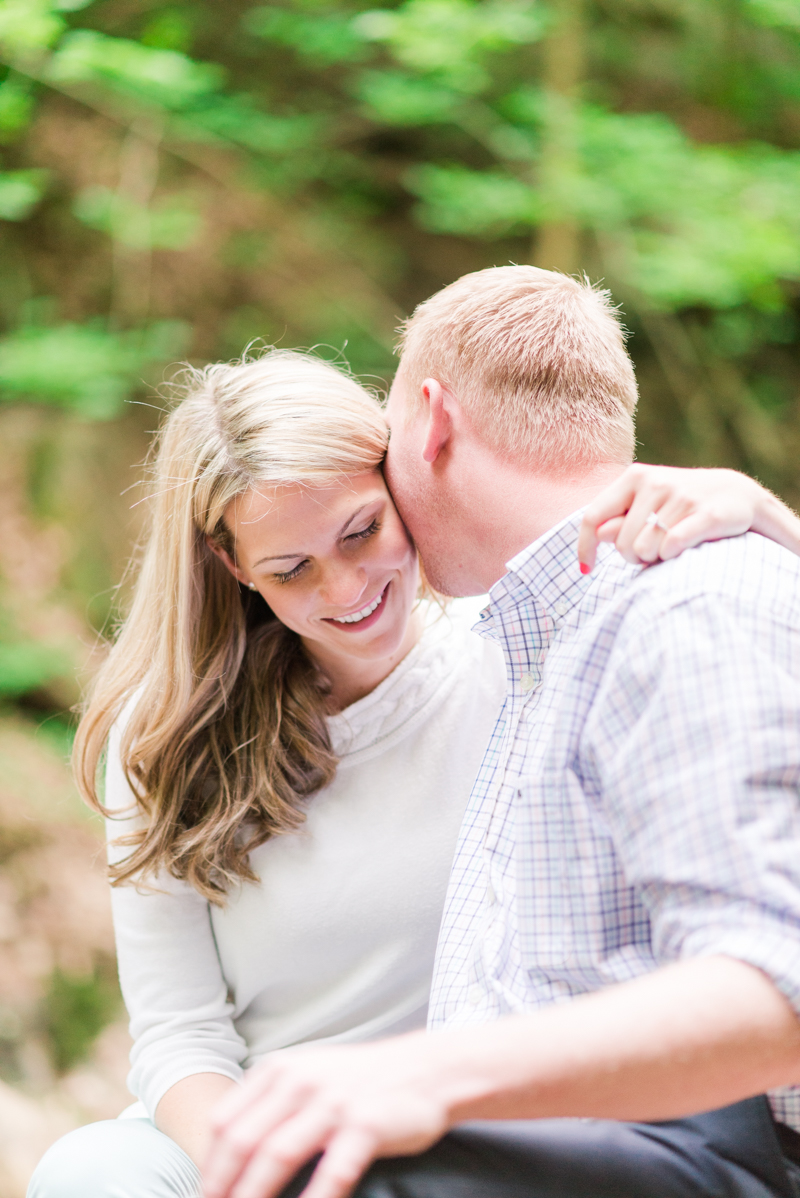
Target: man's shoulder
[747, 578]
[748, 568]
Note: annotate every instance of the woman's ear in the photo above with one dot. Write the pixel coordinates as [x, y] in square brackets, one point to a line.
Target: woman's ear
[227, 561]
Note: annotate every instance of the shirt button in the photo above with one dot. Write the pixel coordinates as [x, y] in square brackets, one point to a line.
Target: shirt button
[561, 608]
[475, 995]
[527, 682]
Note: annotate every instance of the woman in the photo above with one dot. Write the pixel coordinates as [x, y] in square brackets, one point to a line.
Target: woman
[292, 735]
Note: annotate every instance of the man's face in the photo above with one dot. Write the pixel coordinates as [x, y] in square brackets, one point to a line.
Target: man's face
[425, 495]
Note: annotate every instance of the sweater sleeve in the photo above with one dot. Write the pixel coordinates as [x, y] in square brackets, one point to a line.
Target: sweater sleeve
[181, 1019]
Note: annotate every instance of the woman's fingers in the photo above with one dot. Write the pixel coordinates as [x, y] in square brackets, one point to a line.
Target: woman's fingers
[612, 502]
[690, 531]
[647, 509]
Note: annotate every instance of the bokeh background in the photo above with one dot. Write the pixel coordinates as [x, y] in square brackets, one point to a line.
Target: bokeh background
[178, 179]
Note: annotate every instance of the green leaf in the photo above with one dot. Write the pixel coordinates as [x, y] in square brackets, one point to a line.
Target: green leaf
[776, 13]
[20, 192]
[399, 99]
[238, 119]
[28, 665]
[163, 77]
[322, 38]
[85, 368]
[482, 203]
[28, 28]
[16, 107]
[76, 1009]
[171, 223]
[452, 38]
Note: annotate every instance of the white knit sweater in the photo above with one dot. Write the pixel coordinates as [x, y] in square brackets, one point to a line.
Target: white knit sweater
[337, 941]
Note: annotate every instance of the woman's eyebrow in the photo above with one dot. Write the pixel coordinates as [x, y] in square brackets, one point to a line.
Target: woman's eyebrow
[279, 557]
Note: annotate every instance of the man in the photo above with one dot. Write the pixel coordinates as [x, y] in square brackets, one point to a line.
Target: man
[621, 941]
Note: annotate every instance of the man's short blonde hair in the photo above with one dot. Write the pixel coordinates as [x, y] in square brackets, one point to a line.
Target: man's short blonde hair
[537, 359]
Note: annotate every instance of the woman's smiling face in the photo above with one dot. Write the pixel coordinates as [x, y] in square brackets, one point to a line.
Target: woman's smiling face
[336, 565]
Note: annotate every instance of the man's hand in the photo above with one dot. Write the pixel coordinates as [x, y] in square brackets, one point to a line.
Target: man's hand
[655, 512]
[352, 1104]
[692, 1036]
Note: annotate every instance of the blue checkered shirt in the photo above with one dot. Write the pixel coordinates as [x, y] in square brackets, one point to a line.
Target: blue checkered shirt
[638, 801]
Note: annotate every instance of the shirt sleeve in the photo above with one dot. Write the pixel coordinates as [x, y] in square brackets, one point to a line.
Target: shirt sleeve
[693, 743]
[181, 1019]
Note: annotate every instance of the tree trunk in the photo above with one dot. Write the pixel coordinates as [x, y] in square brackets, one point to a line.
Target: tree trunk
[557, 241]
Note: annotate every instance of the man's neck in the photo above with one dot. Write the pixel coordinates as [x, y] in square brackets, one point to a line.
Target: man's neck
[518, 505]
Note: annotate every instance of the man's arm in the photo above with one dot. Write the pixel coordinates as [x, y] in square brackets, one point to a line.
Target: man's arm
[691, 1036]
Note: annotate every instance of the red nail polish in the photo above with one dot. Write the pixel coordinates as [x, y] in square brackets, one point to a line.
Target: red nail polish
[585, 569]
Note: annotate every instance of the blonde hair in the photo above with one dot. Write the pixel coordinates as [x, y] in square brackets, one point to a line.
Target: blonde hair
[226, 735]
[536, 358]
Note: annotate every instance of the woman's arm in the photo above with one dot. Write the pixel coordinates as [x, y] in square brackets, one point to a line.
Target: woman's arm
[183, 1113]
[181, 1017]
[655, 512]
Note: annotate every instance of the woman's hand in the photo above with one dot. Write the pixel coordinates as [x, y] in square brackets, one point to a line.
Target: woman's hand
[655, 512]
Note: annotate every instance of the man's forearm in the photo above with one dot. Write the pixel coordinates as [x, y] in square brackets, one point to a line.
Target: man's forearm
[693, 1036]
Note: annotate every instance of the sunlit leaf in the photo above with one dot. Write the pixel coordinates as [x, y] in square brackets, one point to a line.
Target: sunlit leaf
[86, 368]
[456, 200]
[321, 37]
[785, 13]
[16, 107]
[26, 665]
[171, 223]
[20, 192]
[452, 38]
[159, 76]
[28, 28]
[400, 99]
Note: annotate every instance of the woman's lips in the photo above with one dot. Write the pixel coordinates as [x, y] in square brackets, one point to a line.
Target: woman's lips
[365, 621]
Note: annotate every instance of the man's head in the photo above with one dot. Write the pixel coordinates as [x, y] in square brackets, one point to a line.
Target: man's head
[508, 376]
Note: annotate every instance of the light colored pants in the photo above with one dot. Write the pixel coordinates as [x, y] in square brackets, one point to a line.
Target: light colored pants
[119, 1158]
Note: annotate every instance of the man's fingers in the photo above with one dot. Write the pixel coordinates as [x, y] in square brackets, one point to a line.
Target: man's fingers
[282, 1155]
[347, 1157]
[258, 1082]
[237, 1142]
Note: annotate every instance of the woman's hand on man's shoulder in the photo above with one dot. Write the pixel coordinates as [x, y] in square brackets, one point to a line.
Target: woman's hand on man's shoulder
[653, 513]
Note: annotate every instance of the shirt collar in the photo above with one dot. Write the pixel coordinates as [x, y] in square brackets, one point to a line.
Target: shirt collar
[548, 572]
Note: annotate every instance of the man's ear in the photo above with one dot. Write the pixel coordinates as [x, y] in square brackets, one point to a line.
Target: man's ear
[439, 420]
[227, 561]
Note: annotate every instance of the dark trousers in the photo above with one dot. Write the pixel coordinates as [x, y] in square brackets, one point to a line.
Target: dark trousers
[730, 1153]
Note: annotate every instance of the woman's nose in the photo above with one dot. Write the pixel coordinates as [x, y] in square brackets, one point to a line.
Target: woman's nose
[344, 584]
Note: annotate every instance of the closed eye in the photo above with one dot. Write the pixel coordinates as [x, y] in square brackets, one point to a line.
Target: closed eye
[363, 535]
[290, 574]
[369, 531]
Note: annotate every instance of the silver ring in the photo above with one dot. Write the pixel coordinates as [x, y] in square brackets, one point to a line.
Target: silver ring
[654, 522]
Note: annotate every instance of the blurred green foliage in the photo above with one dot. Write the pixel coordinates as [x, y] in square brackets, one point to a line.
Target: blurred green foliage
[76, 1008]
[179, 178]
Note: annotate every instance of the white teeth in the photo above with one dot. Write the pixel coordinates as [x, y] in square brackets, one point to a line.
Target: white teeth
[359, 615]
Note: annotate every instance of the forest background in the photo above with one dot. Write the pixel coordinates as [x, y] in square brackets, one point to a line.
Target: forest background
[180, 179]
